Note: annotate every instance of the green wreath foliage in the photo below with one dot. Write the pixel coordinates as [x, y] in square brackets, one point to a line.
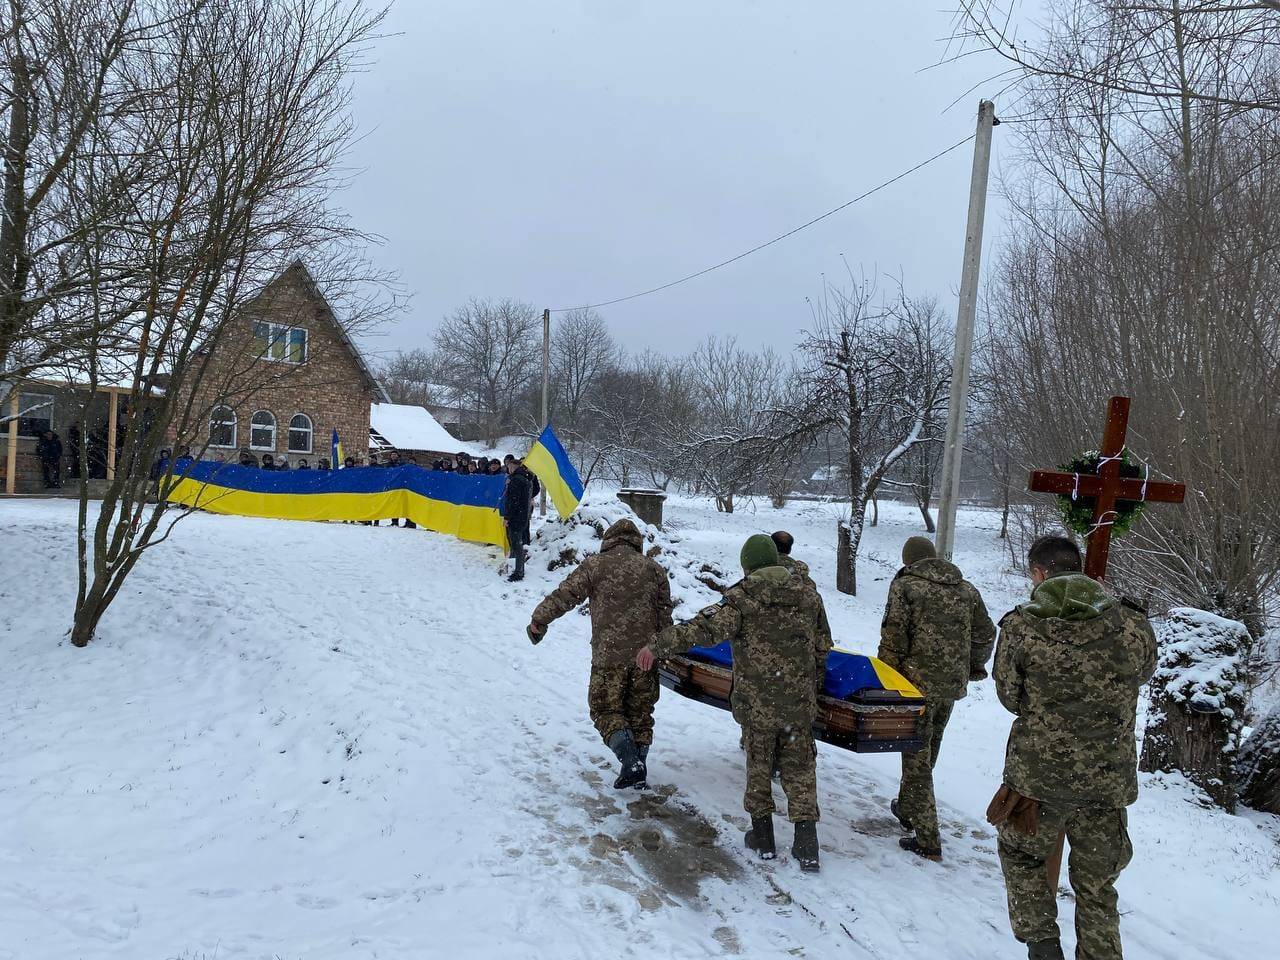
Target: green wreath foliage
[1077, 515]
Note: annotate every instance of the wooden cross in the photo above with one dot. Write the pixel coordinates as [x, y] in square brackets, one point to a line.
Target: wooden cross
[1107, 486]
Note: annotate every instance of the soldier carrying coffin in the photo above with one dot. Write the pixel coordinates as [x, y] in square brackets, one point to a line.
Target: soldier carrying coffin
[779, 636]
[937, 633]
[630, 602]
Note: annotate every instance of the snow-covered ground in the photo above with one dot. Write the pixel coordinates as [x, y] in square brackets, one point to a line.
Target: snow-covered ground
[298, 740]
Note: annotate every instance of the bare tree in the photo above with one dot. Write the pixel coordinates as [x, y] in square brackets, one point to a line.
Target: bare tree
[490, 354]
[241, 123]
[413, 377]
[67, 92]
[1144, 261]
[582, 349]
[869, 377]
[1156, 54]
[726, 445]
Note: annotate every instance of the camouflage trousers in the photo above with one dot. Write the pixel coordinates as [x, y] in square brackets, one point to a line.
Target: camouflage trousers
[621, 698]
[792, 750]
[1100, 849]
[915, 794]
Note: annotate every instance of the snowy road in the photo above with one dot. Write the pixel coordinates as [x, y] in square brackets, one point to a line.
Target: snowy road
[330, 741]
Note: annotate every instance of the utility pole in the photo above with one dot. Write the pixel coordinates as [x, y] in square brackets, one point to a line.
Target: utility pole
[951, 454]
[546, 392]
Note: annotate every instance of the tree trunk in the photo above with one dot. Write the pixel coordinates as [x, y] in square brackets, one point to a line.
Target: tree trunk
[875, 511]
[846, 560]
[1198, 745]
[928, 517]
[1259, 767]
[88, 614]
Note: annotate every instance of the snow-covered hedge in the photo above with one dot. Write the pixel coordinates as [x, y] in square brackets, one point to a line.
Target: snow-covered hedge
[1202, 662]
[1198, 695]
[560, 544]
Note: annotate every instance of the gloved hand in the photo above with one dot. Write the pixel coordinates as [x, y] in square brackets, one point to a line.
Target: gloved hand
[1021, 813]
[535, 632]
[977, 674]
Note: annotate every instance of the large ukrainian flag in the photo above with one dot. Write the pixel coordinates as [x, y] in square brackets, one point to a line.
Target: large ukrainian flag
[459, 505]
[550, 464]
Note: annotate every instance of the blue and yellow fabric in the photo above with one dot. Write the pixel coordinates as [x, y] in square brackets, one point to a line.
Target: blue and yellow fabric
[847, 673]
[550, 464]
[460, 505]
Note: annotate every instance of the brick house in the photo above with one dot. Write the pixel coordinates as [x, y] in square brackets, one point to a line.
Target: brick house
[285, 374]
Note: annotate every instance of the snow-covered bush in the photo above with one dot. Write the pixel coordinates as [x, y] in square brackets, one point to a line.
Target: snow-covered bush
[560, 544]
[1198, 697]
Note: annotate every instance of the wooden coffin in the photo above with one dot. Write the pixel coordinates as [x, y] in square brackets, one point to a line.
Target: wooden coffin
[871, 721]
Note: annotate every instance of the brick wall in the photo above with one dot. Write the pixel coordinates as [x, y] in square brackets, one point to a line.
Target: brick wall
[329, 386]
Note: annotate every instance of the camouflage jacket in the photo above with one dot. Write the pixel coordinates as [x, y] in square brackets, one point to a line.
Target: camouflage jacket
[936, 629]
[629, 594]
[1069, 665]
[779, 635]
[799, 568]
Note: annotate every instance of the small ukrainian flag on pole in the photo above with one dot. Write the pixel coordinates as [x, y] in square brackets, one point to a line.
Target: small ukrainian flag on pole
[550, 464]
[336, 457]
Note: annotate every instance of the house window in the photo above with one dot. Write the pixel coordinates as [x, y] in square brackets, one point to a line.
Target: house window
[222, 427]
[300, 433]
[35, 413]
[262, 431]
[275, 341]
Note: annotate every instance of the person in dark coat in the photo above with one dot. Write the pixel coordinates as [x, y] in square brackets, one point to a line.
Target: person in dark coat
[49, 450]
[268, 462]
[247, 458]
[303, 465]
[517, 508]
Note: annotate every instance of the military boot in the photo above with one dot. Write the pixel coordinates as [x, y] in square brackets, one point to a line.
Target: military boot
[760, 837]
[1044, 950]
[805, 847]
[896, 810]
[625, 749]
[912, 845]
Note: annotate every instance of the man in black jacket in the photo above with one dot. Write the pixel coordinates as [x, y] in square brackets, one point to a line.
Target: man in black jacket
[49, 449]
[517, 507]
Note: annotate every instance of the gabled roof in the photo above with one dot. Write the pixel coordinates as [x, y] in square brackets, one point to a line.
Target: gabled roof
[310, 282]
[409, 427]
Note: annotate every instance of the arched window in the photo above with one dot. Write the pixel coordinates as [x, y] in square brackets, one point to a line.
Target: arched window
[222, 427]
[262, 431]
[300, 433]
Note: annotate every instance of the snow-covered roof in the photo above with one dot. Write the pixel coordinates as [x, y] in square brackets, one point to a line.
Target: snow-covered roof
[409, 427]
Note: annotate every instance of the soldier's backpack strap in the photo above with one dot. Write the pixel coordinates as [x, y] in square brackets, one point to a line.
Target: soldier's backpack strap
[1136, 605]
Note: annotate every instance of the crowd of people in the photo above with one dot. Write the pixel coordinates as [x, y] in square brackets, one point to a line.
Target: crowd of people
[520, 490]
[1068, 666]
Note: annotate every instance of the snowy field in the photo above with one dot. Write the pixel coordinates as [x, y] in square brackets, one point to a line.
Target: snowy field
[297, 740]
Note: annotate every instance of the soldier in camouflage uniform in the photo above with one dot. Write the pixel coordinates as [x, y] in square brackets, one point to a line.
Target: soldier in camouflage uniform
[1069, 666]
[780, 640]
[630, 602]
[936, 633]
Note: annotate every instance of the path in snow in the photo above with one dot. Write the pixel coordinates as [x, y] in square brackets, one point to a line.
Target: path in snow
[325, 740]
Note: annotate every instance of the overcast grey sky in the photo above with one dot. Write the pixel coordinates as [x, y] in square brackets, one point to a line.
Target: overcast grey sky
[569, 151]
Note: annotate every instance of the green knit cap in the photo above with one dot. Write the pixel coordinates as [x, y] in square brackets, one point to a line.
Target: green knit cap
[759, 551]
[916, 549]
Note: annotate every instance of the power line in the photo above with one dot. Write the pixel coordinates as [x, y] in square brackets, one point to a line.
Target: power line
[769, 243]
